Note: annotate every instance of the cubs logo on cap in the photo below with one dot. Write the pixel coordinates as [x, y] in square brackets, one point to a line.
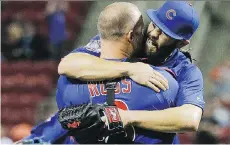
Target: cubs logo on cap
[170, 14]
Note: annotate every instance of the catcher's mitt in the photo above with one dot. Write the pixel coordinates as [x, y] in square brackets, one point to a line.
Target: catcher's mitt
[84, 122]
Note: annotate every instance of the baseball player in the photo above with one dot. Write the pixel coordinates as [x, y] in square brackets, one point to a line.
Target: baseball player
[163, 28]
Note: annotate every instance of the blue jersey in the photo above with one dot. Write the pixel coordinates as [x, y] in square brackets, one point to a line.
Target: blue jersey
[187, 75]
[128, 95]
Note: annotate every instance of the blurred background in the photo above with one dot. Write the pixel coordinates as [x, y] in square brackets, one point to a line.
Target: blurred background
[36, 35]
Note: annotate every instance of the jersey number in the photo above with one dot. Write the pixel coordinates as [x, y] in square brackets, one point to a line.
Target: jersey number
[121, 105]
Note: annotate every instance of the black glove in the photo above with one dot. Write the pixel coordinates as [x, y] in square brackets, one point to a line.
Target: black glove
[84, 122]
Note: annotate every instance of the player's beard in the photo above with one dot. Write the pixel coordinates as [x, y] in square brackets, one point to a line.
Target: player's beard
[161, 54]
[158, 56]
[155, 56]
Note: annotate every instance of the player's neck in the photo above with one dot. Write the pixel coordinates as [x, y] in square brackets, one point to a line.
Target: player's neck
[114, 50]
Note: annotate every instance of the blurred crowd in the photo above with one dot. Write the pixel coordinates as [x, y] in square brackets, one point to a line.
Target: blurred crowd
[215, 124]
[35, 36]
[218, 105]
[24, 39]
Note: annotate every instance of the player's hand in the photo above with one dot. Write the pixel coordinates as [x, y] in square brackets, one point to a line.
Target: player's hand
[124, 117]
[145, 75]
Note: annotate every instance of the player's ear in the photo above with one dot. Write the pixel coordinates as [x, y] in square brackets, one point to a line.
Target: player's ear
[130, 36]
[182, 43]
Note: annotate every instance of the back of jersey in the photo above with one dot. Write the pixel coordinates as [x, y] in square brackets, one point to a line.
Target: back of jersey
[129, 96]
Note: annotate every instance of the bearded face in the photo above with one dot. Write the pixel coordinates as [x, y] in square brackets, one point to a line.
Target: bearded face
[158, 45]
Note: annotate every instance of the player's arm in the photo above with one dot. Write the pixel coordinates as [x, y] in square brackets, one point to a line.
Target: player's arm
[185, 117]
[179, 119]
[86, 65]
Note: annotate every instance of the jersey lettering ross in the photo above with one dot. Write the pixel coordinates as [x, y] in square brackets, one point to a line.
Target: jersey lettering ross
[99, 89]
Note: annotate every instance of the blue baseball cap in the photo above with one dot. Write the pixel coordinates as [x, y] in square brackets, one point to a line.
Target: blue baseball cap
[178, 19]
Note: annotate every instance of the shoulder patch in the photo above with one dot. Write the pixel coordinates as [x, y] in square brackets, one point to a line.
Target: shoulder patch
[94, 46]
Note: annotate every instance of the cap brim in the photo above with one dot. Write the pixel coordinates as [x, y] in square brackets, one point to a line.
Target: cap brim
[152, 15]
